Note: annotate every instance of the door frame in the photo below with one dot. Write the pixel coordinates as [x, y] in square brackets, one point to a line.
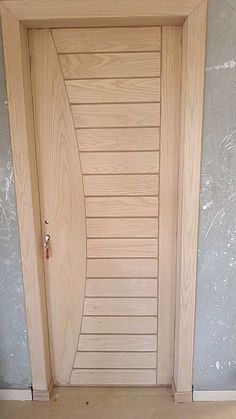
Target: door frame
[19, 15]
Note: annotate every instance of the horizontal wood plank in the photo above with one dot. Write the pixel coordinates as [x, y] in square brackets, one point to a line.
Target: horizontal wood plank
[122, 227]
[116, 115]
[105, 185]
[120, 306]
[121, 287]
[122, 268]
[113, 377]
[122, 325]
[137, 343]
[120, 162]
[118, 139]
[86, 66]
[113, 90]
[78, 40]
[114, 360]
[122, 248]
[121, 207]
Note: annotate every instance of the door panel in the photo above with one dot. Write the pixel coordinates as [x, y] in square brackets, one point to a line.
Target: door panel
[113, 185]
[89, 66]
[125, 162]
[118, 139]
[62, 203]
[118, 377]
[116, 115]
[123, 325]
[114, 287]
[123, 206]
[122, 268]
[115, 360]
[122, 227]
[113, 90]
[76, 40]
[97, 108]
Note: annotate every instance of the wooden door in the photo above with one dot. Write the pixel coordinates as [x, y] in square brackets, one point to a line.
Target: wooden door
[108, 189]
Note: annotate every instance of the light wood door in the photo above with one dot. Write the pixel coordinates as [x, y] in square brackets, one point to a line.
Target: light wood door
[108, 164]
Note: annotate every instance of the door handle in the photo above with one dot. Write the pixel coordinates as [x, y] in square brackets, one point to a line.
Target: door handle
[46, 245]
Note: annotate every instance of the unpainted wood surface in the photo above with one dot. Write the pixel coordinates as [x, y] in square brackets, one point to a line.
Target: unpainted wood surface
[121, 325]
[118, 102]
[118, 139]
[170, 127]
[116, 115]
[122, 227]
[118, 248]
[124, 206]
[90, 66]
[194, 39]
[122, 268]
[120, 306]
[113, 185]
[139, 343]
[34, 14]
[120, 162]
[107, 39]
[59, 177]
[114, 360]
[113, 377]
[113, 90]
[88, 13]
[121, 287]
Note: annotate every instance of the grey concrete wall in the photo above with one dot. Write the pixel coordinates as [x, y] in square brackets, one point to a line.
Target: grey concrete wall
[14, 355]
[215, 344]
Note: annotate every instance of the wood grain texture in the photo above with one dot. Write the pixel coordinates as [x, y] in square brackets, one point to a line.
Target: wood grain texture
[122, 248]
[88, 13]
[121, 287]
[59, 176]
[99, 312]
[118, 139]
[114, 360]
[120, 307]
[113, 377]
[121, 325]
[120, 162]
[99, 185]
[16, 54]
[170, 127]
[90, 66]
[194, 38]
[116, 115]
[137, 343]
[57, 13]
[78, 40]
[122, 227]
[134, 268]
[141, 206]
[113, 90]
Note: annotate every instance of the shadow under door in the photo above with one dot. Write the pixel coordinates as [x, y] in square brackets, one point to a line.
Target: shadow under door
[106, 112]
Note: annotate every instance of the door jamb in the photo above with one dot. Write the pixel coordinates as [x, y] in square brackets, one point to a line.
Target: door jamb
[19, 15]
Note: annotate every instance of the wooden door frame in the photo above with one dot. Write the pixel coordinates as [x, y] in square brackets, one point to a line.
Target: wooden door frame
[19, 15]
